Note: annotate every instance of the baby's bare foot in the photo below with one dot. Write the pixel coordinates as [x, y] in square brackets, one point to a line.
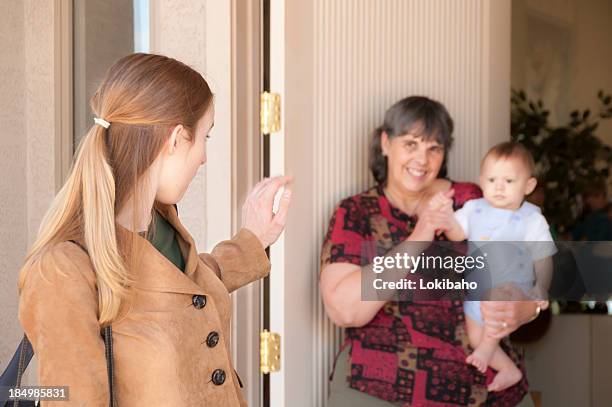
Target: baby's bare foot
[505, 378]
[481, 357]
[477, 362]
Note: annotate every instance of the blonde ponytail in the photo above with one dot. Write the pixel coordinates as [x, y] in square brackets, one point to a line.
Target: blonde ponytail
[88, 195]
[98, 186]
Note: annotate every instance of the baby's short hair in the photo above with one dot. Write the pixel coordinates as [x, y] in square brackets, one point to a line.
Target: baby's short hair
[510, 149]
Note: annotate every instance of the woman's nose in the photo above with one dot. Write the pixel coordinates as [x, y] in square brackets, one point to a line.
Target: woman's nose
[421, 156]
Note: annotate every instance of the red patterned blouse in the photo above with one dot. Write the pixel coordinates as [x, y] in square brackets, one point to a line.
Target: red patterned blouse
[411, 353]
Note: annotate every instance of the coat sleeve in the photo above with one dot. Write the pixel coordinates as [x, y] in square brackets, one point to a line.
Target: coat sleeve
[58, 310]
[238, 261]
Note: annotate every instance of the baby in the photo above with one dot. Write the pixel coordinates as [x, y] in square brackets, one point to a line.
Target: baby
[506, 177]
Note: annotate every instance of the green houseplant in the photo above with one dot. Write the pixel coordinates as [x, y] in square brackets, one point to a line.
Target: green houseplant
[568, 157]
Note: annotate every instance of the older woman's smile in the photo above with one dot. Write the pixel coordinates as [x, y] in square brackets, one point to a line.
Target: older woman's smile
[417, 172]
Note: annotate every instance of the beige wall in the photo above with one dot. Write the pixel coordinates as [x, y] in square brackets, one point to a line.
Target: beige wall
[585, 57]
[13, 151]
[27, 143]
[591, 56]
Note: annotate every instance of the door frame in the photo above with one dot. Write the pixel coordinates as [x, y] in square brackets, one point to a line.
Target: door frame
[291, 289]
[246, 170]
[277, 167]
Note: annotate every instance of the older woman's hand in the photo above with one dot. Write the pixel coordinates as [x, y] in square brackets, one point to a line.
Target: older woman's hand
[434, 217]
[430, 221]
[442, 201]
[504, 317]
[257, 210]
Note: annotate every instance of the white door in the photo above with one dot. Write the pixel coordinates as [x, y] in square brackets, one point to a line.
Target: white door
[338, 64]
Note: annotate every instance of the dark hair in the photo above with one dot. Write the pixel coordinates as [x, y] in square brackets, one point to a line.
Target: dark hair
[510, 149]
[418, 115]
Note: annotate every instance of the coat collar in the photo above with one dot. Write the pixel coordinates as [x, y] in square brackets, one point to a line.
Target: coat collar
[186, 243]
[152, 270]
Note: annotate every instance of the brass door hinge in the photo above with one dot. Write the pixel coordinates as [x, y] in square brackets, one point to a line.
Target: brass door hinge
[269, 113]
[269, 352]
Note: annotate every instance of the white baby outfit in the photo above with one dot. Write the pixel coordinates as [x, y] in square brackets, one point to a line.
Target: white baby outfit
[507, 262]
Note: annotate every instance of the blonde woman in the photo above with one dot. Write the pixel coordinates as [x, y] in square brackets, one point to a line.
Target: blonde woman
[111, 251]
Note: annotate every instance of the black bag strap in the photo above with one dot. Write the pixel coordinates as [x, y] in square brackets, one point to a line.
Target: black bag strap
[13, 374]
[108, 347]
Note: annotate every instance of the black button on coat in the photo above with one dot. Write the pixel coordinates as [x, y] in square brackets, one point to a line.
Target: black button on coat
[212, 339]
[199, 301]
[218, 377]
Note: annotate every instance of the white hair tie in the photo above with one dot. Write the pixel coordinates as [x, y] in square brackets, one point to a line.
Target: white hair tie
[101, 122]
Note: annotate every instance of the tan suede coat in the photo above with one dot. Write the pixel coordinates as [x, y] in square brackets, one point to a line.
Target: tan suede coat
[161, 354]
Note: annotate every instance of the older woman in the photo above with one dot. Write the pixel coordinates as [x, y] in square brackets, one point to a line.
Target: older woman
[407, 353]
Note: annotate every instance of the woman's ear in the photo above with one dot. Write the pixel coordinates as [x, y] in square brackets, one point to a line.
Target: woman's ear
[384, 143]
[172, 142]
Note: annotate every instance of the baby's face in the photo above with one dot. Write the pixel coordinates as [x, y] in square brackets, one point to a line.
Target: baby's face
[505, 182]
